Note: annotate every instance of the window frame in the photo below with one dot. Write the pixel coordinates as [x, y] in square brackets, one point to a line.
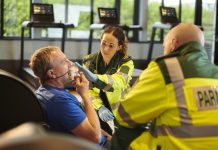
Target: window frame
[134, 38]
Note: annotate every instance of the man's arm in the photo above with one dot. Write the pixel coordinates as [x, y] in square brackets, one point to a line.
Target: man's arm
[146, 100]
[90, 127]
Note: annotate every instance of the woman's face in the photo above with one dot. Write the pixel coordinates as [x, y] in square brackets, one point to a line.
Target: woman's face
[109, 45]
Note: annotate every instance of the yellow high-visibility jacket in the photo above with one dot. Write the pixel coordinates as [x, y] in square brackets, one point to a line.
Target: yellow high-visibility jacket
[180, 92]
[113, 80]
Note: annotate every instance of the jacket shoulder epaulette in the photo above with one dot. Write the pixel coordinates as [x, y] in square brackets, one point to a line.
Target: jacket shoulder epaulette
[166, 56]
[126, 58]
[89, 57]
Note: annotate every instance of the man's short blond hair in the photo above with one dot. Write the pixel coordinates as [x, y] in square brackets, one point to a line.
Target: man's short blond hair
[41, 61]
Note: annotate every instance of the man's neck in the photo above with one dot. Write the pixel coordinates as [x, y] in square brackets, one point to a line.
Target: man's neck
[55, 83]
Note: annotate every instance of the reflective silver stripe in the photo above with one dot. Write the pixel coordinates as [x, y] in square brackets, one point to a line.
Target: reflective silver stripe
[93, 98]
[188, 131]
[125, 76]
[109, 85]
[177, 78]
[115, 105]
[125, 92]
[125, 116]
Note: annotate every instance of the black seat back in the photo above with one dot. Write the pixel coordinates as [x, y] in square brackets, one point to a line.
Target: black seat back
[31, 136]
[18, 103]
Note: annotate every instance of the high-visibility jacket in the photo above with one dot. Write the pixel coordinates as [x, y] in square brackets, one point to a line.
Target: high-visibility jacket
[113, 80]
[179, 91]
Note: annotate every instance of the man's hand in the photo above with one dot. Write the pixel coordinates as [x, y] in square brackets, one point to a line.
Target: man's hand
[89, 75]
[82, 85]
[105, 114]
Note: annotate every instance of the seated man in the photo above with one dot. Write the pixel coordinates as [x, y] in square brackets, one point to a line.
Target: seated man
[64, 112]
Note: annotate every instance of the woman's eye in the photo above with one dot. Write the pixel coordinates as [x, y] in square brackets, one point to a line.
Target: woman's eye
[111, 46]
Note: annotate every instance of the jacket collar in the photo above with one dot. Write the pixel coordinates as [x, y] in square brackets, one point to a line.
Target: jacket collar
[189, 48]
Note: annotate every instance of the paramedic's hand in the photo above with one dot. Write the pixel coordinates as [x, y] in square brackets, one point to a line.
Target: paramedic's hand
[89, 75]
[105, 114]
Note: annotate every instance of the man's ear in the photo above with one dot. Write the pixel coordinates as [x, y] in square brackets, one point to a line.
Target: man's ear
[51, 74]
[175, 44]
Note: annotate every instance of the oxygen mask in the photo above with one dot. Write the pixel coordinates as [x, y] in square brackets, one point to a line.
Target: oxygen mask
[73, 72]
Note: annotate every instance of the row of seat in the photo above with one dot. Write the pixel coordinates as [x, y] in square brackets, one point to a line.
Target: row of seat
[23, 122]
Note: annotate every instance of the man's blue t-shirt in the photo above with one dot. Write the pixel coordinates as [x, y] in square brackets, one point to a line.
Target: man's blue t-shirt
[63, 110]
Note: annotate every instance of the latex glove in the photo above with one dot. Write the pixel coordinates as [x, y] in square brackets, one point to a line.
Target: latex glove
[105, 114]
[89, 75]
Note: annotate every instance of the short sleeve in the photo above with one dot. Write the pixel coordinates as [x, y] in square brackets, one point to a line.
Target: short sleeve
[68, 113]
